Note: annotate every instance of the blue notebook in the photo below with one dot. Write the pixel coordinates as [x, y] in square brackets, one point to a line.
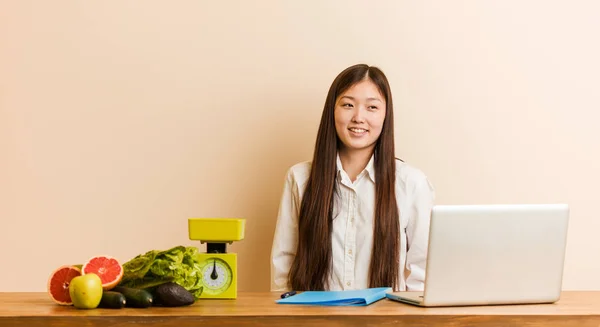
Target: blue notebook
[338, 298]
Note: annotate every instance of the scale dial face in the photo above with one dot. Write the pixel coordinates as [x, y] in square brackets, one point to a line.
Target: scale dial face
[216, 276]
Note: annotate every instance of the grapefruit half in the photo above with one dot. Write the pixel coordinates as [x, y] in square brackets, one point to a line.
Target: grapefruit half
[58, 284]
[107, 268]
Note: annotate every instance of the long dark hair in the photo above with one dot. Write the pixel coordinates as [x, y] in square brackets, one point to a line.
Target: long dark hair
[312, 265]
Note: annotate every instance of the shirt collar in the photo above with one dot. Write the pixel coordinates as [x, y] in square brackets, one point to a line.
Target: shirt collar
[370, 168]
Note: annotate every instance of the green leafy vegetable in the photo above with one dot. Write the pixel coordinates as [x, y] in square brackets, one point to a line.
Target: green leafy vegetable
[153, 268]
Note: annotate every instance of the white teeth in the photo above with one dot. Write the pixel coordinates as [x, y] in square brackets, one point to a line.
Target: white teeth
[358, 130]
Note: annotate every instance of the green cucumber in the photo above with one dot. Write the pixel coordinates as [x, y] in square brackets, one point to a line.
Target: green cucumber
[136, 298]
[112, 300]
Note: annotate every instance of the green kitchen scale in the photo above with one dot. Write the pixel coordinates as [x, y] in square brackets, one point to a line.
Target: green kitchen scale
[218, 267]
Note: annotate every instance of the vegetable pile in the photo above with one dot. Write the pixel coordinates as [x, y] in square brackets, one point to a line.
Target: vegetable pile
[155, 267]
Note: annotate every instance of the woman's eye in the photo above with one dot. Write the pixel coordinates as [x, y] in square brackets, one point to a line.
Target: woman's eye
[347, 105]
[372, 108]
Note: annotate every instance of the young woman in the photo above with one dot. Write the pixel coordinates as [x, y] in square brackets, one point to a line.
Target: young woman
[355, 217]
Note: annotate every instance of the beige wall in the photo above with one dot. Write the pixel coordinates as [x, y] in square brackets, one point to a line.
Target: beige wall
[121, 119]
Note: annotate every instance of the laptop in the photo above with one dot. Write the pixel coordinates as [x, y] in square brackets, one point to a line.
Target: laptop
[493, 255]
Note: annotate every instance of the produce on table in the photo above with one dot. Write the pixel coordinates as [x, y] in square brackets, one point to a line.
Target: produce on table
[153, 268]
[136, 297]
[58, 284]
[112, 300]
[173, 295]
[107, 268]
[156, 278]
[86, 291]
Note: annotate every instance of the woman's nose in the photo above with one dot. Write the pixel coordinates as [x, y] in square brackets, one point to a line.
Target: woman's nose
[358, 116]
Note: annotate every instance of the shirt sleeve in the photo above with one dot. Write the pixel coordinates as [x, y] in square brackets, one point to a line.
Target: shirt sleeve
[417, 234]
[285, 239]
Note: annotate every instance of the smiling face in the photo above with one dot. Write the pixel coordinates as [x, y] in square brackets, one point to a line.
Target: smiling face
[359, 115]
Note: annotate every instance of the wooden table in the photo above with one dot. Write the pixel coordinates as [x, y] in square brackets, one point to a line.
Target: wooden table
[259, 309]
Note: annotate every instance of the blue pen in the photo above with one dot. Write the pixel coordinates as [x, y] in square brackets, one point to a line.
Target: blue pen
[288, 294]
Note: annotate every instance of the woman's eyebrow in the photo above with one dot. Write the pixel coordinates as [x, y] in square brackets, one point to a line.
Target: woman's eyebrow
[368, 99]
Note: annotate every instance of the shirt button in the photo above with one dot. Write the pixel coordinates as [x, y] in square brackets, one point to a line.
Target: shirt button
[348, 283]
[350, 252]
